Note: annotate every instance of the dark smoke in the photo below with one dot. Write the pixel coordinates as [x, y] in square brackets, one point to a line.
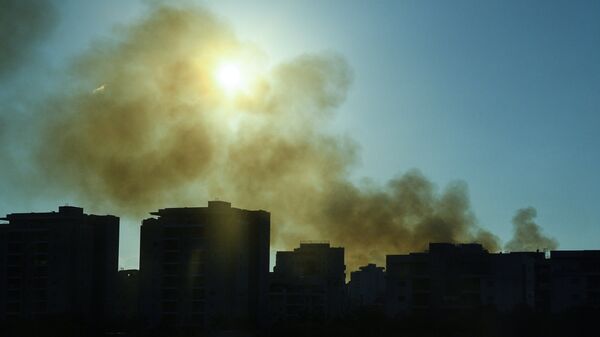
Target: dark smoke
[23, 23]
[142, 125]
[527, 234]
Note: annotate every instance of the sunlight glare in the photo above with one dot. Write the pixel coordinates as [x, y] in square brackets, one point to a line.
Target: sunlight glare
[229, 76]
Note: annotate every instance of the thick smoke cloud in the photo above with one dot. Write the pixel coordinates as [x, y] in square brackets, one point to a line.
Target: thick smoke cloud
[23, 23]
[527, 234]
[142, 125]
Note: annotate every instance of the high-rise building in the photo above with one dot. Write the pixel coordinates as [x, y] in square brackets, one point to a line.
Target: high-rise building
[58, 264]
[308, 282]
[205, 267]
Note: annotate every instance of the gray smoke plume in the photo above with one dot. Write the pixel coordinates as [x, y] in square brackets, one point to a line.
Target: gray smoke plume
[142, 124]
[527, 234]
[23, 23]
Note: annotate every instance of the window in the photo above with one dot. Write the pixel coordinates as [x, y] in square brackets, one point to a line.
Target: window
[197, 306]
[171, 269]
[421, 284]
[169, 294]
[13, 295]
[41, 271]
[14, 282]
[15, 247]
[198, 281]
[197, 232]
[39, 236]
[197, 256]
[40, 306]
[198, 294]
[40, 282]
[40, 294]
[13, 307]
[197, 269]
[40, 259]
[15, 236]
[41, 247]
[421, 299]
[169, 281]
[169, 306]
[14, 259]
[14, 271]
[171, 257]
[171, 244]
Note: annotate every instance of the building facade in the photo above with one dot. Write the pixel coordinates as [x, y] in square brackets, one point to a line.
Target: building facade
[308, 282]
[367, 286]
[464, 277]
[575, 280]
[205, 267]
[58, 264]
[128, 296]
[517, 280]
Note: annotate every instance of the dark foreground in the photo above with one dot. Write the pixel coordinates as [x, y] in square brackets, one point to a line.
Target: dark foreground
[364, 323]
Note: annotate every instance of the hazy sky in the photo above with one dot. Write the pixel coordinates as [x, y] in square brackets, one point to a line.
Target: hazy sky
[504, 95]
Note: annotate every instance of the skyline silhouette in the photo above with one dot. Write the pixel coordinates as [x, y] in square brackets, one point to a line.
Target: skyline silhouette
[205, 271]
[370, 168]
[527, 237]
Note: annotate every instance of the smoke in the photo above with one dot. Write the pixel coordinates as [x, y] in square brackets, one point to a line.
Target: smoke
[142, 124]
[23, 23]
[527, 234]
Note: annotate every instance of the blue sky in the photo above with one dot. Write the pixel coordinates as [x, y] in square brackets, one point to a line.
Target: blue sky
[504, 95]
[501, 94]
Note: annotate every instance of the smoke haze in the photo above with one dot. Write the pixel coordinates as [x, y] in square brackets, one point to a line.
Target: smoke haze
[141, 124]
[527, 234]
[23, 23]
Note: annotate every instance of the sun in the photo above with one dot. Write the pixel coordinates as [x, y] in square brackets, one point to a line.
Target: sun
[230, 77]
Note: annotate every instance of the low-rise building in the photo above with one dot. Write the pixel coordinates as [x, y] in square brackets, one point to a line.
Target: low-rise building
[455, 277]
[128, 296]
[308, 282]
[575, 279]
[367, 286]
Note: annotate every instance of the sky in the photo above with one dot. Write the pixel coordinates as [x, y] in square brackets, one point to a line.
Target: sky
[503, 95]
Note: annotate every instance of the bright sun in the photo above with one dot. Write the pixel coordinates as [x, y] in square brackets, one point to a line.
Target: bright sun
[229, 77]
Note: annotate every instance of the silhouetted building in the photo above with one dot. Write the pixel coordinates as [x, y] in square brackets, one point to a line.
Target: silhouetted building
[516, 279]
[462, 277]
[367, 286]
[205, 267]
[58, 264]
[128, 297]
[308, 282]
[575, 278]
